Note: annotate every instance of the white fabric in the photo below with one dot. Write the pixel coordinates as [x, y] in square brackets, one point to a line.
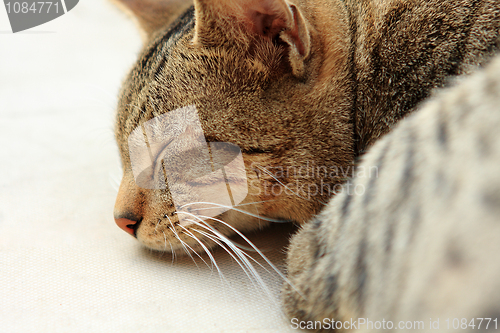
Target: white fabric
[64, 265]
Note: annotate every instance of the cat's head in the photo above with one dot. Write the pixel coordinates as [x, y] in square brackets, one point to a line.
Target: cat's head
[235, 114]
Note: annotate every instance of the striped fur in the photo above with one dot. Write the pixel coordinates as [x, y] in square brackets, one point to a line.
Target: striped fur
[299, 82]
[319, 82]
[419, 238]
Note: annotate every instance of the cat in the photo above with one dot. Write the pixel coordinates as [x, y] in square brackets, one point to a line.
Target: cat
[303, 88]
[418, 240]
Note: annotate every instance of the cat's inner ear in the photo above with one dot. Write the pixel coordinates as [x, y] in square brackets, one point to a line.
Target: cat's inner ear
[215, 21]
[153, 15]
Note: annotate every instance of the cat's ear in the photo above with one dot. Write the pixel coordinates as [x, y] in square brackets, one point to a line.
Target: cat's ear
[271, 19]
[153, 15]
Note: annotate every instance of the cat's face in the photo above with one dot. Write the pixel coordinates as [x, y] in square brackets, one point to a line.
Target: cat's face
[227, 124]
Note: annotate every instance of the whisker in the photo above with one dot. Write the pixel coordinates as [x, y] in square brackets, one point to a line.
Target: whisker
[231, 207]
[251, 269]
[271, 174]
[190, 234]
[253, 203]
[238, 253]
[257, 262]
[165, 242]
[234, 243]
[173, 251]
[137, 107]
[214, 239]
[256, 250]
[184, 245]
[171, 248]
[238, 245]
[208, 227]
[235, 256]
[212, 259]
[182, 242]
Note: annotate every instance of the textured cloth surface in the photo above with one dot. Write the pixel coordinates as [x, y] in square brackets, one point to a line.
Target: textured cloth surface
[64, 265]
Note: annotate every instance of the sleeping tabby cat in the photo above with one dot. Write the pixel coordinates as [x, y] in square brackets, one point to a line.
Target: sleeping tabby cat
[296, 85]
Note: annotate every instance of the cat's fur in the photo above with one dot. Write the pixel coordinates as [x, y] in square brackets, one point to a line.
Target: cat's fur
[308, 82]
[421, 238]
[312, 82]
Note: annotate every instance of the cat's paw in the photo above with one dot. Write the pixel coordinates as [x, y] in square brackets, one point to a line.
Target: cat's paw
[300, 293]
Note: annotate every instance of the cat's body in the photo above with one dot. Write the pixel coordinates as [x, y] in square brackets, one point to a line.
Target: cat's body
[405, 49]
[420, 237]
[314, 83]
[303, 83]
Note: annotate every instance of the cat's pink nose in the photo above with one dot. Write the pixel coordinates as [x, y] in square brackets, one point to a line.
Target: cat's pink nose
[127, 225]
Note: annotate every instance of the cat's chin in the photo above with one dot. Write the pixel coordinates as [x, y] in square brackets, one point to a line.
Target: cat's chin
[178, 242]
[200, 237]
[176, 247]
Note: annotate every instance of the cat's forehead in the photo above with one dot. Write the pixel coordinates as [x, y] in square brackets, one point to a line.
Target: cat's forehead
[173, 72]
[164, 42]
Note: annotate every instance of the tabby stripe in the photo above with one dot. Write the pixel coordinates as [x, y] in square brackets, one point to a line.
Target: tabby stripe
[331, 287]
[389, 236]
[491, 199]
[408, 179]
[408, 174]
[179, 28]
[316, 223]
[345, 206]
[442, 129]
[360, 272]
[353, 71]
[371, 187]
[458, 56]
[406, 184]
[159, 67]
[402, 265]
[320, 249]
[416, 218]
